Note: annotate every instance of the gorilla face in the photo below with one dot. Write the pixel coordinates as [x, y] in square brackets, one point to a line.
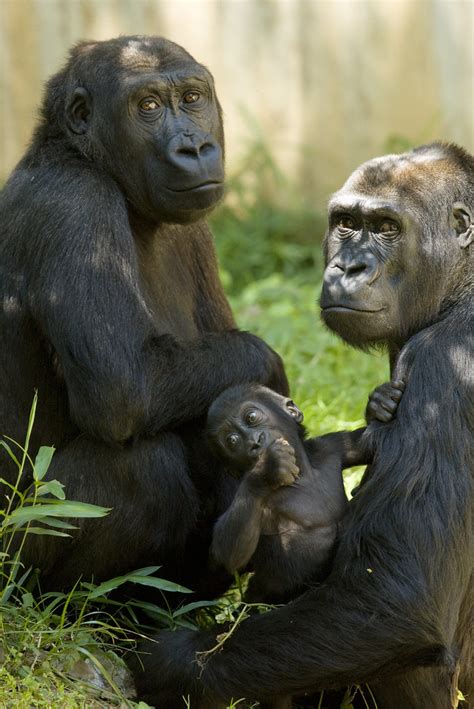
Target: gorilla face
[391, 249]
[154, 120]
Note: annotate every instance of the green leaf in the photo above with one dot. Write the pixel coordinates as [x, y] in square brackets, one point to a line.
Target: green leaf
[153, 610]
[110, 585]
[42, 461]
[194, 606]
[134, 577]
[7, 592]
[43, 530]
[145, 571]
[27, 600]
[349, 695]
[161, 584]
[52, 487]
[69, 508]
[10, 453]
[58, 523]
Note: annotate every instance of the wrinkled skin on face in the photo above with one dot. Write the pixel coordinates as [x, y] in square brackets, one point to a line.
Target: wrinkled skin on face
[155, 123]
[388, 273]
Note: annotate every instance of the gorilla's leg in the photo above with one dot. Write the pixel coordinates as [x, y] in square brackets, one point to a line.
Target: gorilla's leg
[154, 508]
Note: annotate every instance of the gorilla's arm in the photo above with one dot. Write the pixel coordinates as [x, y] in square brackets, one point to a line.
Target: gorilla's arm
[358, 447]
[237, 531]
[351, 447]
[213, 311]
[389, 600]
[122, 376]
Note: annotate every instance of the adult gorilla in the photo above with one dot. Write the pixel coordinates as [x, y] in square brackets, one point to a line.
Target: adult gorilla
[396, 609]
[111, 306]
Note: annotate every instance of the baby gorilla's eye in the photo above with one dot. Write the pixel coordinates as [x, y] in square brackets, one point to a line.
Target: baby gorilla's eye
[251, 418]
[232, 440]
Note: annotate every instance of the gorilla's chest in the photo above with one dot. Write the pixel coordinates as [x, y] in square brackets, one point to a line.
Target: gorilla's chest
[168, 285]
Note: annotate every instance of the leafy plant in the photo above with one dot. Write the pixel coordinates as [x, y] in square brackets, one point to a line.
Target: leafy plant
[53, 642]
[38, 508]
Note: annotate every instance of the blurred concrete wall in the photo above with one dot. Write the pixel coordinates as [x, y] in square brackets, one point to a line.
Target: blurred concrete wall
[329, 83]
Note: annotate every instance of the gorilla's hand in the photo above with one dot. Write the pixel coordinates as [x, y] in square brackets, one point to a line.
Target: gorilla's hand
[280, 464]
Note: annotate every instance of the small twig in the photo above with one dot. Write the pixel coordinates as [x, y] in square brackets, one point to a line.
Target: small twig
[201, 657]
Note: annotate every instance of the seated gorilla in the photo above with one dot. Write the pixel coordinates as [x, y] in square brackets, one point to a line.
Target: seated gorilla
[396, 609]
[111, 306]
[285, 515]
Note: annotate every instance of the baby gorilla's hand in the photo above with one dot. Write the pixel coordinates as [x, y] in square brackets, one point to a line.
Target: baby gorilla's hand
[384, 400]
[280, 464]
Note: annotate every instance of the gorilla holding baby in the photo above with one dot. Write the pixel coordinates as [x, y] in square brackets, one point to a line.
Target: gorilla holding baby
[396, 609]
[112, 308]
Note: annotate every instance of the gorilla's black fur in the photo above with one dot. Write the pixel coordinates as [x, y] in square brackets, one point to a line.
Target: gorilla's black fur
[396, 610]
[111, 306]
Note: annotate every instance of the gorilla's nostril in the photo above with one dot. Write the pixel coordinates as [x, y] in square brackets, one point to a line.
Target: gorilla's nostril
[206, 148]
[354, 270]
[188, 150]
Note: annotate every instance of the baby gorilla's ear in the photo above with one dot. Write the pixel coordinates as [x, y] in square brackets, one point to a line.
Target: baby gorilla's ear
[294, 411]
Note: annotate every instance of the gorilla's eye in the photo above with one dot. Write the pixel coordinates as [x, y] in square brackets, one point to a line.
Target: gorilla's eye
[251, 418]
[191, 97]
[149, 104]
[232, 440]
[345, 224]
[388, 227]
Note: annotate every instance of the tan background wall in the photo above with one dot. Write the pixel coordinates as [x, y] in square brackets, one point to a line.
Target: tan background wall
[329, 82]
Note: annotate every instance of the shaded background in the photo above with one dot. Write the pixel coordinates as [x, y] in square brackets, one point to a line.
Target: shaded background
[325, 84]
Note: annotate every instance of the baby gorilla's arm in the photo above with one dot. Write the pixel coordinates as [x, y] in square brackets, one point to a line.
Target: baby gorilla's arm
[237, 532]
[354, 447]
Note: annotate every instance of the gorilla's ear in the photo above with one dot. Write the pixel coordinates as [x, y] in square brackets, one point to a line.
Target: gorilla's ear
[78, 111]
[294, 411]
[463, 224]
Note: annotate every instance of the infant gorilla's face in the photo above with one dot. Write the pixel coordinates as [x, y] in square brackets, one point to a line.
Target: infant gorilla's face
[249, 427]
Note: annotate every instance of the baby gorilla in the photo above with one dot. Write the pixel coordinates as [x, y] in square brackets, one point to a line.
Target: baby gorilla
[285, 515]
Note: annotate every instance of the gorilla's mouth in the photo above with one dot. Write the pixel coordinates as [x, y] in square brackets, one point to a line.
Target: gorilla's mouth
[201, 187]
[347, 308]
